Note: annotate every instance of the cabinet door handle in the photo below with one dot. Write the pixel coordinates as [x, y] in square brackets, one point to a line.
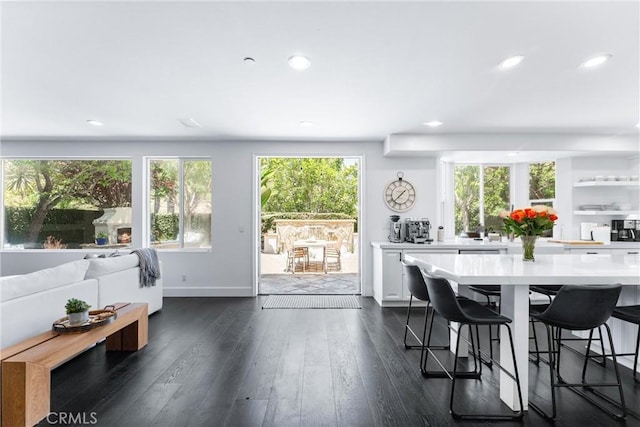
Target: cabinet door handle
[592, 253]
[632, 253]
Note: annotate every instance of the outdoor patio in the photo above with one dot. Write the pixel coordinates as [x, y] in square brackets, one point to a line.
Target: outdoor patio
[275, 279]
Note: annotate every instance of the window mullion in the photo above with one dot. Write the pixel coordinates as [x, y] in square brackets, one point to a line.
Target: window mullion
[181, 203]
[481, 196]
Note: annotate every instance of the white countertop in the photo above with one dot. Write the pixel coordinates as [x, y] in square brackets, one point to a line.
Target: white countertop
[481, 244]
[561, 269]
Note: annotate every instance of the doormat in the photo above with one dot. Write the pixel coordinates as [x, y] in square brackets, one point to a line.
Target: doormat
[311, 301]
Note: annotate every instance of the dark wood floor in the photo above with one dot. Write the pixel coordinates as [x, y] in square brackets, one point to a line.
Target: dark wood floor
[224, 361]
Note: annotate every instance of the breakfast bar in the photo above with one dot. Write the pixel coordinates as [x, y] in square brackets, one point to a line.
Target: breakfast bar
[515, 275]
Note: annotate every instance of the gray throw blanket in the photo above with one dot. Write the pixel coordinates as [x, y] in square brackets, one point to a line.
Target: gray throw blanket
[149, 266]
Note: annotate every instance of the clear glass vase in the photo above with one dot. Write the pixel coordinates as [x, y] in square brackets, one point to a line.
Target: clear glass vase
[528, 246]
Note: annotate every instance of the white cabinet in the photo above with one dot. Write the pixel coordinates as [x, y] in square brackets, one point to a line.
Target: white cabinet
[387, 275]
[389, 286]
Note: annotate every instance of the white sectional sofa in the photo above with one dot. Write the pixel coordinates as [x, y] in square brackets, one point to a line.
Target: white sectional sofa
[29, 303]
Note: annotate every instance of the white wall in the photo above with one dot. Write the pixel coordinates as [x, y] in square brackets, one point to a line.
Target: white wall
[227, 269]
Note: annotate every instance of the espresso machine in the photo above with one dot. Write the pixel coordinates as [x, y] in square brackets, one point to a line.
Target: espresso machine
[395, 229]
[417, 230]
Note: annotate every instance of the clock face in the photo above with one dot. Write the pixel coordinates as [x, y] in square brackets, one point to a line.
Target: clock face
[400, 195]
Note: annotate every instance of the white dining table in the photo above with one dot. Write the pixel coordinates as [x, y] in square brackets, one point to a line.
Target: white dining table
[515, 275]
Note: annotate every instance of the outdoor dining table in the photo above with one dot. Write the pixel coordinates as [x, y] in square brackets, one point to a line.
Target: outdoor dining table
[313, 243]
[515, 275]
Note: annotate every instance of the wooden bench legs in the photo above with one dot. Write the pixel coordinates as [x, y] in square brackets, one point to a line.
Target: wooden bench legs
[27, 388]
[132, 337]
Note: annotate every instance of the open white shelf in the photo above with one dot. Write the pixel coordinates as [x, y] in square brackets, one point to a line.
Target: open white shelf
[607, 184]
[606, 213]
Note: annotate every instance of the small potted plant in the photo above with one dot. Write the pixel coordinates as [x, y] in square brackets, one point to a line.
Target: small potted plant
[78, 311]
[101, 238]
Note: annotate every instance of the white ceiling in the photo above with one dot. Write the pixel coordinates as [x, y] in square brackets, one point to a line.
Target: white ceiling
[378, 68]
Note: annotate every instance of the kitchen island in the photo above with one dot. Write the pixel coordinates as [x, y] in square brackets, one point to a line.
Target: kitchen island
[515, 276]
[389, 289]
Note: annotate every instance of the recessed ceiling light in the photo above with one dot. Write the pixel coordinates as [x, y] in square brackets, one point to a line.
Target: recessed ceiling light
[299, 62]
[249, 60]
[306, 124]
[433, 123]
[596, 60]
[95, 123]
[511, 62]
[638, 125]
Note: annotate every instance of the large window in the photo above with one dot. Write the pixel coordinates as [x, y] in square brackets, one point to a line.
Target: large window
[481, 192]
[180, 203]
[60, 204]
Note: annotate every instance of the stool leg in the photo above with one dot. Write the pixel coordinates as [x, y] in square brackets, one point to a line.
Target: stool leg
[455, 367]
[424, 333]
[635, 359]
[406, 325]
[552, 364]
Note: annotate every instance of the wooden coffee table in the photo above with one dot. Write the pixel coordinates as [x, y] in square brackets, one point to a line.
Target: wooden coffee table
[26, 366]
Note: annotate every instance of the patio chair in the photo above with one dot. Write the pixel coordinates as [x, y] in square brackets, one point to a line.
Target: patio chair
[332, 255]
[295, 253]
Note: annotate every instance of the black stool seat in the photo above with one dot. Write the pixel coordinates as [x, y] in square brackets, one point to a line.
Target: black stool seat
[479, 314]
[628, 313]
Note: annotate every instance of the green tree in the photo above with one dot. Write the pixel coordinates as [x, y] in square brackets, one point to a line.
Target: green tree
[542, 181]
[318, 185]
[46, 184]
[496, 195]
[164, 183]
[197, 189]
[467, 197]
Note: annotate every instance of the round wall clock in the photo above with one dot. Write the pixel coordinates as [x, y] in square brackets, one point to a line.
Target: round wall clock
[400, 195]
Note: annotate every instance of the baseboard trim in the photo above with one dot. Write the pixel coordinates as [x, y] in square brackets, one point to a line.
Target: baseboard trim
[207, 292]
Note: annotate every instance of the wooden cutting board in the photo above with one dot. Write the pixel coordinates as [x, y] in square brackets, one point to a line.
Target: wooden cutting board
[576, 242]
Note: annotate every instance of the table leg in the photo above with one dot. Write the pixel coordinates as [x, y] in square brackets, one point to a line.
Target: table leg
[514, 303]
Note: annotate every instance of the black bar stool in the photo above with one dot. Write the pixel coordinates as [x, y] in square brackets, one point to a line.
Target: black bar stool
[579, 308]
[631, 314]
[550, 291]
[418, 290]
[469, 313]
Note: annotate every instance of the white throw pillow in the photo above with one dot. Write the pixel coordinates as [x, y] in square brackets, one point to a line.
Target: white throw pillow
[16, 286]
[101, 266]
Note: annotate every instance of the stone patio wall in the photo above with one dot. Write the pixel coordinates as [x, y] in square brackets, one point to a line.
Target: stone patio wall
[320, 229]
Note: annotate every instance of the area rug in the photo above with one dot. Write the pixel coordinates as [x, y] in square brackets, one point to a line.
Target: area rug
[311, 301]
